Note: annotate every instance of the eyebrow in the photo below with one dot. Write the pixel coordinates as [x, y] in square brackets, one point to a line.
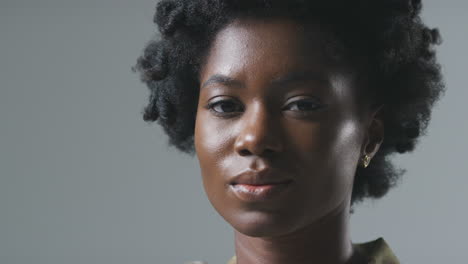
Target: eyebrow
[222, 79]
[290, 78]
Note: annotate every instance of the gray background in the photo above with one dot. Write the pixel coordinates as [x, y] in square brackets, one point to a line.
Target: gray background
[84, 180]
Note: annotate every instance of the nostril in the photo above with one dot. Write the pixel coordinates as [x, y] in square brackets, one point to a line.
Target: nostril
[244, 152]
[247, 152]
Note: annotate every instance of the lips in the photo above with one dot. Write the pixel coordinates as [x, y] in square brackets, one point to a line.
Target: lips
[263, 177]
[263, 186]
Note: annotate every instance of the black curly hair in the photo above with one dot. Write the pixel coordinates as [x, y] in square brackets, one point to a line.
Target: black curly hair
[388, 34]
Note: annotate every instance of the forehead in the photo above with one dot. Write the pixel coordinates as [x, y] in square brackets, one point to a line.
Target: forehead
[270, 46]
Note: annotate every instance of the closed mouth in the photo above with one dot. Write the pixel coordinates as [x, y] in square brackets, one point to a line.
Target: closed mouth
[253, 183]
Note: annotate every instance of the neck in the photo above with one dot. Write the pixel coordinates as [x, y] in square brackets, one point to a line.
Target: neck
[326, 240]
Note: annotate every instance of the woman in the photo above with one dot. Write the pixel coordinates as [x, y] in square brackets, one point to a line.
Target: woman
[292, 109]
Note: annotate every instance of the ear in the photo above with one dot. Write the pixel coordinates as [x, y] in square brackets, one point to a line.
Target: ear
[374, 133]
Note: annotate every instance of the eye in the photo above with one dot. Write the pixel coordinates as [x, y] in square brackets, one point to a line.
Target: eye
[224, 107]
[308, 105]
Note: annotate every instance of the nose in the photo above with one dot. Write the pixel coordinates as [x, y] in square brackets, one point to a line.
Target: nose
[259, 135]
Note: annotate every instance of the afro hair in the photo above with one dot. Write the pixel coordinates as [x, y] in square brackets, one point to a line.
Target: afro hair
[390, 34]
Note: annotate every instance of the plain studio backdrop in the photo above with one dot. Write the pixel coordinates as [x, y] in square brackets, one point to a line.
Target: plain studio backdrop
[84, 180]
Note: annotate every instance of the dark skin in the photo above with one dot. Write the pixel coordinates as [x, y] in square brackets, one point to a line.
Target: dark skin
[281, 104]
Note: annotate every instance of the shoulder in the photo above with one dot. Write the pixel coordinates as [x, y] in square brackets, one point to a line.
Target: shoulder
[377, 252]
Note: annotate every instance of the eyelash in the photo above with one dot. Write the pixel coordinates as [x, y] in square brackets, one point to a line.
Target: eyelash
[211, 107]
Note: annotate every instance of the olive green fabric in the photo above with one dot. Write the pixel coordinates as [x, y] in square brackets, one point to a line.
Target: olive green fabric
[376, 251]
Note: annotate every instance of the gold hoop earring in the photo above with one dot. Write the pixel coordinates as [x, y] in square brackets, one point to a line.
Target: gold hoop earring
[366, 160]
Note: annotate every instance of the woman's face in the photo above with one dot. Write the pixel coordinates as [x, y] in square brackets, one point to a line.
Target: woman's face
[278, 131]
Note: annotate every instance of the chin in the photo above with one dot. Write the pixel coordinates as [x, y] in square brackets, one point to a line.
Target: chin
[261, 224]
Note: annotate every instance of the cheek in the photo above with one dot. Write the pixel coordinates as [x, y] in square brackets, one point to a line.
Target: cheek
[347, 148]
[335, 143]
[327, 155]
[206, 138]
[206, 142]
[342, 159]
[210, 146]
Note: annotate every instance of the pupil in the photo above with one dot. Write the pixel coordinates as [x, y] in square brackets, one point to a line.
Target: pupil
[304, 106]
[228, 107]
